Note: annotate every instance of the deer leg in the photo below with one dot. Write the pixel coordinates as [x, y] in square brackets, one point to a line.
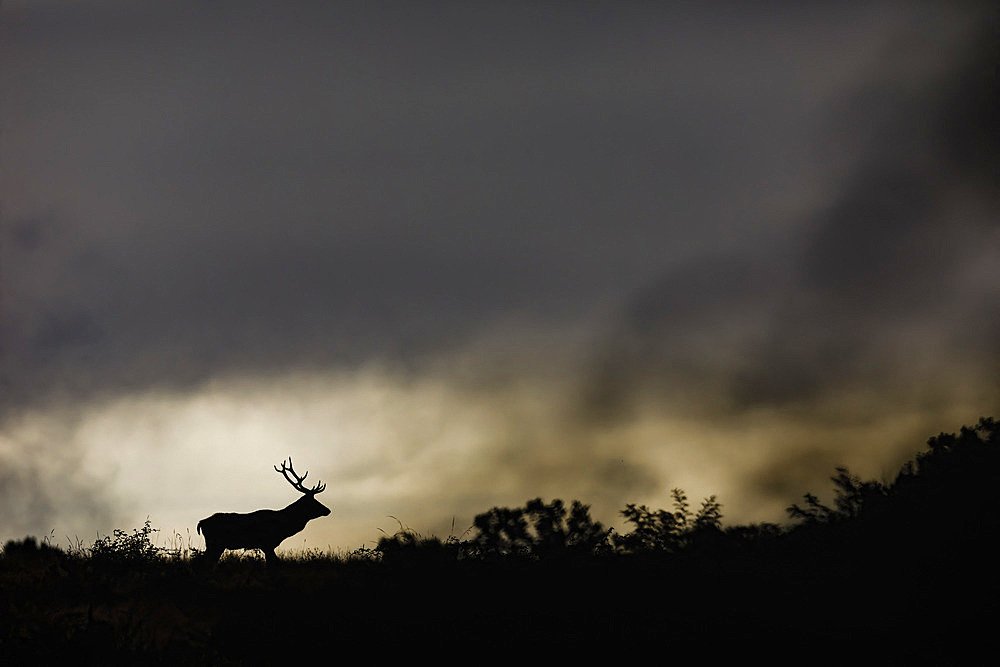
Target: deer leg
[212, 554]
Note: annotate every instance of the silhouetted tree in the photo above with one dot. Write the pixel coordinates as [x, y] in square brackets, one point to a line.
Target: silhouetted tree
[951, 484]
[502, 531]
[851, 497]
[540, 530]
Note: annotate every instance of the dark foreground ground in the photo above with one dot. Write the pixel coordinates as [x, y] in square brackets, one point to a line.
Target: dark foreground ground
[801, 603]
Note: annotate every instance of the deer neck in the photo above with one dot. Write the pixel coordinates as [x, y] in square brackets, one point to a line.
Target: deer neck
[297, 511]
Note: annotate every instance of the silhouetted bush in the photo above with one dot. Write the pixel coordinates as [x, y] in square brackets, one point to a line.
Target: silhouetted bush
[662, 531]
[852, 496]
[409, 548]
[539, 530]
[125, 548]
[30, 551]
[947, 490]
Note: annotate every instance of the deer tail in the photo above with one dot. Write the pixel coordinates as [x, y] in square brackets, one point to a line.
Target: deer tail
[199, 526]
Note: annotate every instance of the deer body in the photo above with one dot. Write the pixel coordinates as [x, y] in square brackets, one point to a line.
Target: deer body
[263, 529]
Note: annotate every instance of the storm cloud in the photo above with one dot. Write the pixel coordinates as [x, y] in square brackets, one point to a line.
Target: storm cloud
[881, 302]
[515, 249]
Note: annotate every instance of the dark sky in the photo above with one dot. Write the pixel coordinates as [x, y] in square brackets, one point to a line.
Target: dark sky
[452, 255]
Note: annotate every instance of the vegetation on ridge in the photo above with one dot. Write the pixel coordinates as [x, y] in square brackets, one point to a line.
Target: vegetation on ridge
[906, 564]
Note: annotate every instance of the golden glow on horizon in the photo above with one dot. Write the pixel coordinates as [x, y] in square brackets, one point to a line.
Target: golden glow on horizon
[428, 451]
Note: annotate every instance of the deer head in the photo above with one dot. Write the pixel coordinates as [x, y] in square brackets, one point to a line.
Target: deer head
[307, 504]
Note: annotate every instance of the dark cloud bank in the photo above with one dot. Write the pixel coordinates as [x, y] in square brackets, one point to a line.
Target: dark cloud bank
[889, 289]
[809, 197]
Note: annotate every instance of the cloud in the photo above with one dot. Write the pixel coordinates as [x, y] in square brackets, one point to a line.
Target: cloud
[880, 304]
[42, 488]
[249, 190]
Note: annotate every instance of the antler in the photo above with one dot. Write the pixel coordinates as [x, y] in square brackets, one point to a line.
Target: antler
[297, 484]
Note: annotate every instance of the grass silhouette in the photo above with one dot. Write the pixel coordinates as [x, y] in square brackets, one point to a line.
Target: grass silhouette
[901, 572]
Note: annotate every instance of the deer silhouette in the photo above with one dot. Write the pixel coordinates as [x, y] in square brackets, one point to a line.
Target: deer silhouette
[263, 529]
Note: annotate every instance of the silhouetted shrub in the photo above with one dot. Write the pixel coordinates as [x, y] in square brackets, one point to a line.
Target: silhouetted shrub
[409, 548]
[124, 548]
[852, 497]
[663, 531]
[539, 530]
[30, 551]
[950, 487]
[366, 554]
[754, 533]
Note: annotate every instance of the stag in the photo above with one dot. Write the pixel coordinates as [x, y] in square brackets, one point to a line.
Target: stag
[263, 529]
